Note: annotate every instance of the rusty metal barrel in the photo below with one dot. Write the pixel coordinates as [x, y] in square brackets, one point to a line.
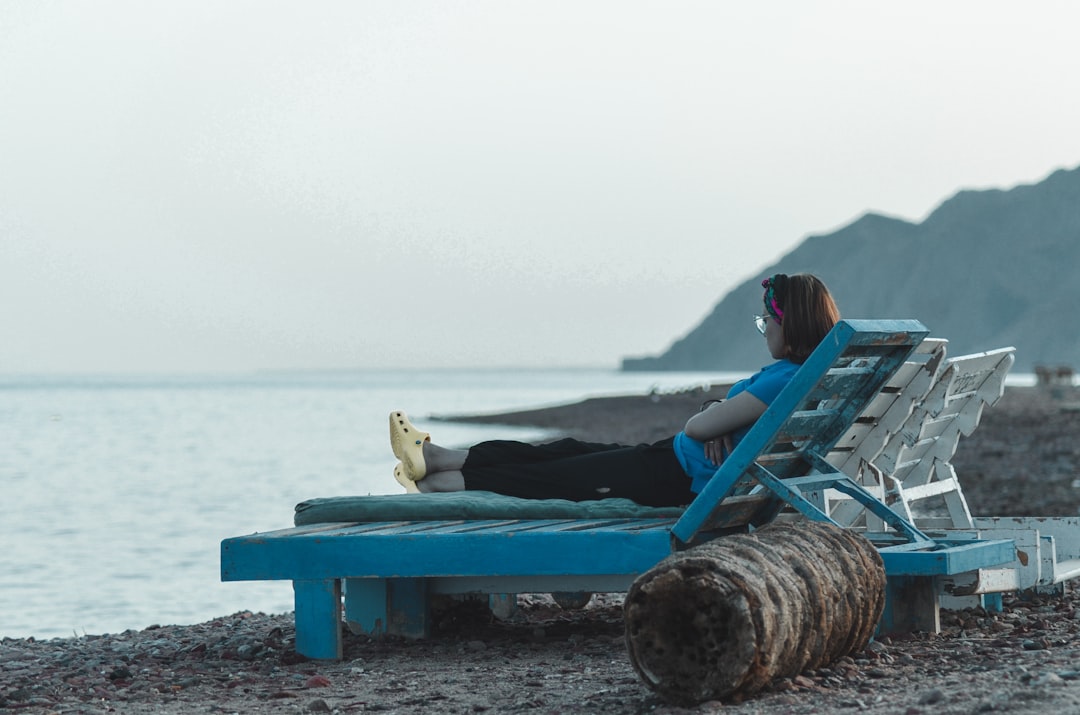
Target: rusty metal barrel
[729, 616]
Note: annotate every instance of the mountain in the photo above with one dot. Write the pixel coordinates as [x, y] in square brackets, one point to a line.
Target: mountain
[986, 269]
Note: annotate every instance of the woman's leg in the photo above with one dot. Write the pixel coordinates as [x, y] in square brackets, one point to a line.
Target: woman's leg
[444, 465]
[563, 469]
[439, 459]
[510, 452]
[578, 471]
[452, 481]
[443, 459]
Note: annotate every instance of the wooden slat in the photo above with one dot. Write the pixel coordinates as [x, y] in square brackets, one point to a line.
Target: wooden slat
[907, 388]
[626, 548]
[947, 558]
[918, 452]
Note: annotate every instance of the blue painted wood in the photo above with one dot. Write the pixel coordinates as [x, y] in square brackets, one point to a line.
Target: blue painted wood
[408, 607]
[911, 604]
[463, 550]
[390, 568]
[946, 557]
[828, 477]
[365, 605]
[318, 618]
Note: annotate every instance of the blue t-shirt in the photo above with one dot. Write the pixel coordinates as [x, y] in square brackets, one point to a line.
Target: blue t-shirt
[765, 385]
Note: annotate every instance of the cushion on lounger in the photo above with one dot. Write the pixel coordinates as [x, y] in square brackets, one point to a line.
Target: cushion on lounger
[468, 505]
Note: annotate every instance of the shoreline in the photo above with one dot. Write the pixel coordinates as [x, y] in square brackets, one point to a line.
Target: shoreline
[1022, 460]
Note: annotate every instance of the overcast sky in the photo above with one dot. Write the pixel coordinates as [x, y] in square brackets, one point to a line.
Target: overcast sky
[190, 186]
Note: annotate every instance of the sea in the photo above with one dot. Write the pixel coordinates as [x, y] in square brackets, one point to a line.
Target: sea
[116, 491]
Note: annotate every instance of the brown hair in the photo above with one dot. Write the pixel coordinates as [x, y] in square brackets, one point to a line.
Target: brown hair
[809, 312]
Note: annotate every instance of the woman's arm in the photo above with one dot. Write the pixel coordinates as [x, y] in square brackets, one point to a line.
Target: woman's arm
[722, 418]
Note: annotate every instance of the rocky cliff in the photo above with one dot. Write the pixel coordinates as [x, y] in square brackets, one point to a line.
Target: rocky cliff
[986, 269]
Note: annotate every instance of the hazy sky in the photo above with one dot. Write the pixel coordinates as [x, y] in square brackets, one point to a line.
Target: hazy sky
[246, 185]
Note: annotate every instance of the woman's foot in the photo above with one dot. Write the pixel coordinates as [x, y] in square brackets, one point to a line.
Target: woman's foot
[400, 478]
[408, 445]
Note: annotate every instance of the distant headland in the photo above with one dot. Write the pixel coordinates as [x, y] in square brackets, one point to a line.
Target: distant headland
[986, 269]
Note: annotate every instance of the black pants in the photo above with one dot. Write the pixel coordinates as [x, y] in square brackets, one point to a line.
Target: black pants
[649, 474]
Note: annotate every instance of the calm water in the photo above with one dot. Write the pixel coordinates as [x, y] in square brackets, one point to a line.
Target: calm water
[118, 491]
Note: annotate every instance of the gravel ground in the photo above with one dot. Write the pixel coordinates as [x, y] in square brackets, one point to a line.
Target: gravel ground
[1025, 659]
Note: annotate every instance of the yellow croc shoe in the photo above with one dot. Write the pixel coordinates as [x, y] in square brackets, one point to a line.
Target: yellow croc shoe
[400, 478]
[408, 445]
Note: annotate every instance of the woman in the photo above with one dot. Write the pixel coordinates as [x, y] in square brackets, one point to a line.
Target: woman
[799, 312]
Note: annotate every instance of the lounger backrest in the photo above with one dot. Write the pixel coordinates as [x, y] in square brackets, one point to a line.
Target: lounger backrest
[951, 408]
[907, 464]
[886, 415]
[817, 407]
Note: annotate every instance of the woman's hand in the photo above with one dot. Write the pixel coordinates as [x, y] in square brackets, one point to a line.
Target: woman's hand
[717, 449]
[723, 418]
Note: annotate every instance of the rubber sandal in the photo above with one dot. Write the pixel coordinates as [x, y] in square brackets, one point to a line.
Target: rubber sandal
[408, 445]
[400, 478]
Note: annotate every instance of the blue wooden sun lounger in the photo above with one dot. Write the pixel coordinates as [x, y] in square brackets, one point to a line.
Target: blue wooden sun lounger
[386, 571]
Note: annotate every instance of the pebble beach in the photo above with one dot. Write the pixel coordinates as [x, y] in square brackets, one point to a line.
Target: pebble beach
[1022, 461]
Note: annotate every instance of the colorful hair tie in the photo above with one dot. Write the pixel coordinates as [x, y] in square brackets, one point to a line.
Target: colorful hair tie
[770, 300]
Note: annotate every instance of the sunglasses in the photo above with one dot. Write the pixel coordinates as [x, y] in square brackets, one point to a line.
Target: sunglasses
[761, 320]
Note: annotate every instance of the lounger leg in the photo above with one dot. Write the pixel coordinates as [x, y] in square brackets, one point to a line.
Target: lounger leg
[365, 605]
[396, 606]
[318, 618]
[911, 604]
[408, 608]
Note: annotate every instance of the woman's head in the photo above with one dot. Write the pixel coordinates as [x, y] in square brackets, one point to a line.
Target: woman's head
[804, 310]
